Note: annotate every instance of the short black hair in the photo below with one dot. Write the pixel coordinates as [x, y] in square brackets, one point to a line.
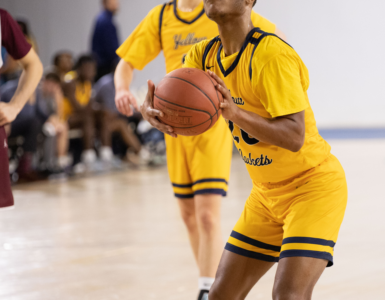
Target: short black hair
[255, 2]
[52, 76]
[57, 56]
[83, 59]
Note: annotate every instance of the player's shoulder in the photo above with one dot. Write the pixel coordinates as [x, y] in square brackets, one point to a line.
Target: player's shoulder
[160, 10]
[270, 46]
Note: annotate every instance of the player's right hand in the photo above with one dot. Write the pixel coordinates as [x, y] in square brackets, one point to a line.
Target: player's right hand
[124, 99]
[150, 114]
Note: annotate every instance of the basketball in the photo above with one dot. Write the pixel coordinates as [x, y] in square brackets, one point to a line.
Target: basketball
[189, 100]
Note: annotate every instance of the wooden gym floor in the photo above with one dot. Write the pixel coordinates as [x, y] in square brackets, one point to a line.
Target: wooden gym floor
[119, 236]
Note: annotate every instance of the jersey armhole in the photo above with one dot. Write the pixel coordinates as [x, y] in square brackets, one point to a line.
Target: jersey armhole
[207, 50]
[161, 22]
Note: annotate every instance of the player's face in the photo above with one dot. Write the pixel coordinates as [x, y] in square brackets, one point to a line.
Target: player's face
[87, 71]
[222, 10]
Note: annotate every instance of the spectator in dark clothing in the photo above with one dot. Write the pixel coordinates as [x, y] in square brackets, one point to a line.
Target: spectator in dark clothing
[105, 38]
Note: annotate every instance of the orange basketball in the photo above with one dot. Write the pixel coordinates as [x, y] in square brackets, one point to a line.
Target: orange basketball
[189, 100]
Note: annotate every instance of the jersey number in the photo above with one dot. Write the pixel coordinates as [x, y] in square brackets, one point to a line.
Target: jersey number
[245, 136]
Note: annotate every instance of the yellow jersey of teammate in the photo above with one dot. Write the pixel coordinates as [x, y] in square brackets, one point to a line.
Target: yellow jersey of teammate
[173, 31]
[200, 164]
[266, 77]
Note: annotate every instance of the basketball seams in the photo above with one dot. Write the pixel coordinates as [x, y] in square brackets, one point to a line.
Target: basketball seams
[209, 119]
[173, 77]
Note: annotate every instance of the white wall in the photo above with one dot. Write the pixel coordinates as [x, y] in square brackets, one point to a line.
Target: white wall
[337, 39]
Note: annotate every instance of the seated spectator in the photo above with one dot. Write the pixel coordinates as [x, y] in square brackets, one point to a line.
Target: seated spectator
[28, 124]
[80, 114]
[55, 126]
[105, 97]
[63, 64]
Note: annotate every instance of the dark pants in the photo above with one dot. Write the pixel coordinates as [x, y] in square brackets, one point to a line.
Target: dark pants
[29, 129]
[6, 198]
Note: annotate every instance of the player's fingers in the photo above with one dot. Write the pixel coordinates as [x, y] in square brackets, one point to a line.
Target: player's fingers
[151, 91]
[154, 112]
[224, 91]
[224, 105]
[127, 107]
[133, 102]
[160, 126]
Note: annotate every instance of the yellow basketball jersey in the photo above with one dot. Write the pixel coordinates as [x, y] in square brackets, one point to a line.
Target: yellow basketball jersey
[83, 93]
[266, 77]
[173, 31]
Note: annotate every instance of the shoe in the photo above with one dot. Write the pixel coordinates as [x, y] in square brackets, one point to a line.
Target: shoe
[203, 295]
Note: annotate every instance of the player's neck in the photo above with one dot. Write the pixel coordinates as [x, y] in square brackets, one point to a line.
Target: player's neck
[233, 34]
[188, 5]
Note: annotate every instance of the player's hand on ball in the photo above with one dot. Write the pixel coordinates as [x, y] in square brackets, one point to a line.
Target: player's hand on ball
[8, 113]
[229, 108]
[123, 100]
[150, 114]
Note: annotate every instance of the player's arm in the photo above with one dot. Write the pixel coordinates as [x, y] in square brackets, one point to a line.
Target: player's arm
[141, 47]
[16, 45]
[124, 98]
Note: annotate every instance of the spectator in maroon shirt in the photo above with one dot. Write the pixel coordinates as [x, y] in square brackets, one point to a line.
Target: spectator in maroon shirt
[13, 40]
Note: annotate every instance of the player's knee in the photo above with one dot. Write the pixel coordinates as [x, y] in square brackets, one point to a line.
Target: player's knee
[189, 219]
[285, 293]
[207, 221]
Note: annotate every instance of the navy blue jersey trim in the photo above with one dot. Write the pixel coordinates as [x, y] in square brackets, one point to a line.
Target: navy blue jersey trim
[250, 254]
[184, 21]
[249, 39]
[308, 253]
[236, 61]
[211, 180]
[189, 185]
[207, 50]
[161, 22]
[211, 191]
[255, 243]
[184, 196]
[182, 185]
[308, 240]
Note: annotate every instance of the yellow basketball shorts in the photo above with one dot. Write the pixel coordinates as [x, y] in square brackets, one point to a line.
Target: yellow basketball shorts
[299, 217]
[200, 164]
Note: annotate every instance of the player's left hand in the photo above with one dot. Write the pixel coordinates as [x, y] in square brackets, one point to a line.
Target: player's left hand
[229, 108]
[8, 113]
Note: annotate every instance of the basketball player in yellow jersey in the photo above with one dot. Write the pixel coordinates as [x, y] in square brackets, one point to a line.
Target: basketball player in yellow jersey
[199, 166]
[299, 194]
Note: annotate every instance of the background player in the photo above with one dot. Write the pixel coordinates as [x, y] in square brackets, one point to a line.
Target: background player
[198, 166]
[299, 194]
[13, 40]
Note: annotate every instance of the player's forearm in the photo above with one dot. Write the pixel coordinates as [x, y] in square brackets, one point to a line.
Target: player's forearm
[286, 132]
[123, 76]
[29, 79]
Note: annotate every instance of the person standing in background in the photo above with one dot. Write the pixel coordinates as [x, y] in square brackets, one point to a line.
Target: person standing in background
[105, 38]
[16, 45]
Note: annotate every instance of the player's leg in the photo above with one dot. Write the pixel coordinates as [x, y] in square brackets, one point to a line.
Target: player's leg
[252, 249]
[209, 157]
[187, 210]
[296, 277]
[208, 219]
[313, 205]
[236, 276]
